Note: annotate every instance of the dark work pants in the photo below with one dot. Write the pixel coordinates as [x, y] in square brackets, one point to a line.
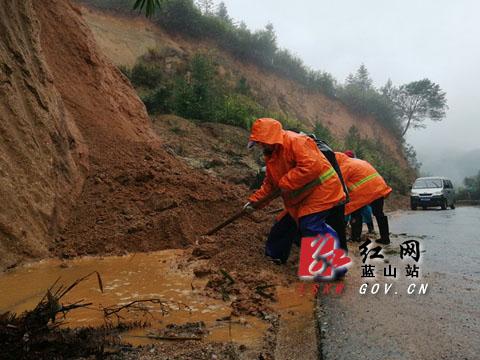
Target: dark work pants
[336, 219]
[282, 234]
[285, 231]
[377, 210]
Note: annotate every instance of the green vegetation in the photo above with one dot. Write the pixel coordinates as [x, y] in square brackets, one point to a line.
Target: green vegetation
[201, 22]
[375, 153]
[362, 98]
[323, 133]
[198, 92]
[417, 101]
[471, 189]
[259, 47]
[148, 5]
[396, 108]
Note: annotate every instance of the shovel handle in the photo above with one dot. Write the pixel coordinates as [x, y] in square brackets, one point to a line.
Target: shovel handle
[242, 212]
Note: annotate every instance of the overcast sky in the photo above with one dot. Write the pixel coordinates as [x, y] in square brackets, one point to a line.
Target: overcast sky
[403, 40]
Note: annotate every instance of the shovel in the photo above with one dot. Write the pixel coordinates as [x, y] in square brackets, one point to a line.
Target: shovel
[242, 212]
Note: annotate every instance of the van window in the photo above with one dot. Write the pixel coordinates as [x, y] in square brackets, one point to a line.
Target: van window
[428, 184]
[448, 184]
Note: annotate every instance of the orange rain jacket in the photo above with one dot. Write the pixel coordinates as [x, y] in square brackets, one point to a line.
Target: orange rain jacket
[308, 182]
[364, 183]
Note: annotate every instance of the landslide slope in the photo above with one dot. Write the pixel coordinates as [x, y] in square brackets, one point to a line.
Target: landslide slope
[81, 168]
[43, 157]
[126, 38]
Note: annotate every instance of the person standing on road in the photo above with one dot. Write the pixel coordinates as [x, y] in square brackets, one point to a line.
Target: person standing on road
[367, 218]
[365, 187]
[309, 185]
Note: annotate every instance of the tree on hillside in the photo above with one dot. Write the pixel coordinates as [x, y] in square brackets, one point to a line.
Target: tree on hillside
[264, 45]
[388, 89]
[472, 185]
[323, 133]
[205, 6]
[471, 189]
[149, 6]
[417, 101]
[411, 156]
[222, 12]
[358, 91]
[361, 80]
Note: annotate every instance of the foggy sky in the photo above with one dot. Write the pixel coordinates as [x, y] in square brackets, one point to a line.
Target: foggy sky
[404, 40]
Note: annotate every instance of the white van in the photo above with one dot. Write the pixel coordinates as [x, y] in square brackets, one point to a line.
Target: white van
[432, 191]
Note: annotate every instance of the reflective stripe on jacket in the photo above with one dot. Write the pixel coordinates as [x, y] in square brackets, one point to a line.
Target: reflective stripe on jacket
[308, 182]
[364, 183]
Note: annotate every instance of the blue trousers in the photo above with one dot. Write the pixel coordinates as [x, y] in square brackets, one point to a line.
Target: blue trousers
[285, 232]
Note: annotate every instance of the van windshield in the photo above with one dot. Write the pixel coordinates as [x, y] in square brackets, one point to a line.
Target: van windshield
[427, 184]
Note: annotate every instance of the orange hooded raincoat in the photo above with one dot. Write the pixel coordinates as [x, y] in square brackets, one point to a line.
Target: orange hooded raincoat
[364, 183]
[308, 182]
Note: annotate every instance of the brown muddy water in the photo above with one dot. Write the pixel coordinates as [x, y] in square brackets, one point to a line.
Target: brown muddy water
[162, 275]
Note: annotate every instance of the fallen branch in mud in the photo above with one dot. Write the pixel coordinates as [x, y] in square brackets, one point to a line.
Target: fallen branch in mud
[137, 305]
[49, 306]
[224, 288]
[261, 291]
[36, 334]
[227, 276]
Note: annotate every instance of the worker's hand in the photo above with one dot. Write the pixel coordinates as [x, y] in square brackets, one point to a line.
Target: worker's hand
[249, 207]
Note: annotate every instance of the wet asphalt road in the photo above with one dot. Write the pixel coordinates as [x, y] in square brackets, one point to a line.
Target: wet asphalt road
[444, 323]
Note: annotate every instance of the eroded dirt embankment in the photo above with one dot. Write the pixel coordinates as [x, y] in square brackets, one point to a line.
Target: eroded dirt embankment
[43, 158]
[133, 193]
[84, 172]
[137, 195]
[124, 39]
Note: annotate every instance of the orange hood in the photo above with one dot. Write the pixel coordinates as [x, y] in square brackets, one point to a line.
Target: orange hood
[267, 131]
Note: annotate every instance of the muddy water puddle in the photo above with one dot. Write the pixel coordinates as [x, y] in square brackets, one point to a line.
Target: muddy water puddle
[158, 275]
[126, 279]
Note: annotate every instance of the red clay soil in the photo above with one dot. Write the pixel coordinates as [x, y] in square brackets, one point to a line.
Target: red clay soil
[137, 196]
[42, 154]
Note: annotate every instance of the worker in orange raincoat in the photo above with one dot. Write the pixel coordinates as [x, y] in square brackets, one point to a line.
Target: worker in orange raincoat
[309, 185]
[365, 187]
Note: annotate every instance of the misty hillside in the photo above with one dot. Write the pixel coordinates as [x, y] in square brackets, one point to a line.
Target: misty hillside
[163, 60]
[454, 164]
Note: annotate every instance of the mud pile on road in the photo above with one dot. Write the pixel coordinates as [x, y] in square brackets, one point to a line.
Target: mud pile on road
[112, 185]
[133, 193]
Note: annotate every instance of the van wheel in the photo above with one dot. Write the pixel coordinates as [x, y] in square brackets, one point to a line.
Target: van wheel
[413, 207]
[424, 207]
[452, 206]
[444, 205]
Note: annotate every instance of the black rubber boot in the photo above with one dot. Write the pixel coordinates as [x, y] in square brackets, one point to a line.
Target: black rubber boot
[384, 230]
[371, 229]
[356, 225]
